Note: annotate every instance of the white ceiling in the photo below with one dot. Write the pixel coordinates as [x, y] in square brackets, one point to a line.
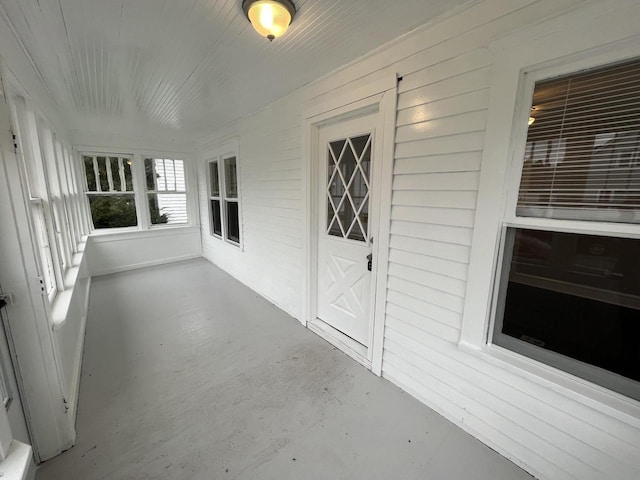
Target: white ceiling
[183, 68]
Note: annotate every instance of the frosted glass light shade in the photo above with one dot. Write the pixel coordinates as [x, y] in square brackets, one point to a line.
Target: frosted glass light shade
[270, 18]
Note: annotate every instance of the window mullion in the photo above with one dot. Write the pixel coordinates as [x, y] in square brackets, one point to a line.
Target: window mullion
[223, 202]
[140, 192]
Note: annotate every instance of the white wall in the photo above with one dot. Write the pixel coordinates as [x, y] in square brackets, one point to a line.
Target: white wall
[118, 252]
[272, 204]
[69, 320]
[448, 85]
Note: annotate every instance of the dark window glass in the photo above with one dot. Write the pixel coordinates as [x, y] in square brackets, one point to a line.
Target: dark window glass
[216, 218]
[348, 165]
[231, 177]
[90, 173]
[150, 174]
[578, 296]
[215, 179]
[233, 224]
[102, 174]
[113, 211]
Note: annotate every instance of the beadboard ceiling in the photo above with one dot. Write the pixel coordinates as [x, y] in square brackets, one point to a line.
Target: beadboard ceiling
[182, 68]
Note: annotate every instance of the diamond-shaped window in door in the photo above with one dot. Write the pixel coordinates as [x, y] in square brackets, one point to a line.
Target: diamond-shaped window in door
[349, 166]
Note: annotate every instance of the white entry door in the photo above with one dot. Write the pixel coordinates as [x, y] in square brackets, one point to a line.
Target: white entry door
[346, 154]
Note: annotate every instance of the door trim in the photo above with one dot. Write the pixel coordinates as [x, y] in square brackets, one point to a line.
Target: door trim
[381, 98]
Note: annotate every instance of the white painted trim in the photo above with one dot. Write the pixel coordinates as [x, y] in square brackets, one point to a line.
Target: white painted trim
[37, 372]
[136, 266]
[218, 153]
[19, 464]
[347, 345]
[118, 236]
[380, 95]
[96, 150]
[140, 186]
[388, 113]
[77, 370]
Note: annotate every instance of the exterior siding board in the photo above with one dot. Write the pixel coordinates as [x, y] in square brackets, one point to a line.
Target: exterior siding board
[442, 115]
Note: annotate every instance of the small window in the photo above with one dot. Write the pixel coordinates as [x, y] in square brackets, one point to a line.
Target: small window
[214, 199]
[166, 191]
[110, 191]
[224, 199]
[232, 214]
[568, 296]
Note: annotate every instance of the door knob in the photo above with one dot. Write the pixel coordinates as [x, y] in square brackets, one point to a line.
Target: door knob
[369, 261]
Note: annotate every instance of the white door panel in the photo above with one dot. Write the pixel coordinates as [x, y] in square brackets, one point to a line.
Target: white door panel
[344, 234]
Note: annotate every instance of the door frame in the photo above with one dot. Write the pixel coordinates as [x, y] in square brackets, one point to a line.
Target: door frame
[378, 95]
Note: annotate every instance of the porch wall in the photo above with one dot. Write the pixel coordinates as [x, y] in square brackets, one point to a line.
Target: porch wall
[442, 113]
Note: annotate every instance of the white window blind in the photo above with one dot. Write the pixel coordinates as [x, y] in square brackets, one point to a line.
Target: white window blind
[582, 157]
[166, 187]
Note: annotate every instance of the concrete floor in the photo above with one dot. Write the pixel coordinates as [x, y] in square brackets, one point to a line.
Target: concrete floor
[188, 374]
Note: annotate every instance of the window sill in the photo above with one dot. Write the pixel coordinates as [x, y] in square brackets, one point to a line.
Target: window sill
[593, 396]
[18, 465]
[62, 300]
[101, 236]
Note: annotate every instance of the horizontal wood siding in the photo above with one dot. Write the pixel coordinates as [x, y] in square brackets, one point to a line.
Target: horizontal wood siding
[270, 144]
[442, 112]
[443, 102]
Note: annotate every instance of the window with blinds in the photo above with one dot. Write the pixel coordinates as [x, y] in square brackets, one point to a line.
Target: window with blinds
[582, 156]
[571, 299]
[166, 190]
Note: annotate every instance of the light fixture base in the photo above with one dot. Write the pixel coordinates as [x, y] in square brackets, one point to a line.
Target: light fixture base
[264, 17]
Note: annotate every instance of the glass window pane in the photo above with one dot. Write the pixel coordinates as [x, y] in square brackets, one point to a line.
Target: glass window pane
[575, 295]
[180, 179]
[128, 175]
[231, 177]
[216, 217]
[169, 208]
[233, 223]
[150, 174]
[102, 174]
[348, 171]
[214, 179]
[90, 173]
[583, 148]
[113, 211]
[169, 175]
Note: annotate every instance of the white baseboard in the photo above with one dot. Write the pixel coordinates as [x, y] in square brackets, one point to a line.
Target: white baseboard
[136, 266]
[255, 289]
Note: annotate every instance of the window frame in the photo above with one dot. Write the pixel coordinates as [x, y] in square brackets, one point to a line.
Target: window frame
[515, 71]
[220, 158]
[134, 182]
[156, 192]
[212, 197]
[140, 187]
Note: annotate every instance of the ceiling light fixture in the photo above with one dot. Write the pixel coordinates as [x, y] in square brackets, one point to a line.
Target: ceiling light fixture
[270, 18]
[531, 120]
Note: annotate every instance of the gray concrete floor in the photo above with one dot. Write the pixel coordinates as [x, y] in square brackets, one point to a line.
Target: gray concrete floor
[188, 374]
